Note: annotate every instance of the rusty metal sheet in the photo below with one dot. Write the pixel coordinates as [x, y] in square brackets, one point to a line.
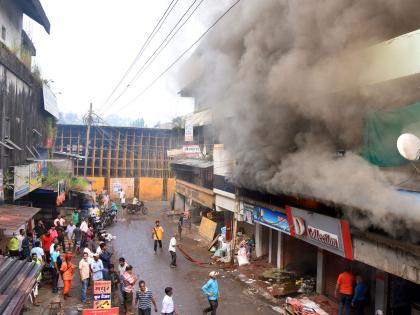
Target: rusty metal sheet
[13, 216]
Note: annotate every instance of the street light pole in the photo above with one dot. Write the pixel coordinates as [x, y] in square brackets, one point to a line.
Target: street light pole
[89, 122]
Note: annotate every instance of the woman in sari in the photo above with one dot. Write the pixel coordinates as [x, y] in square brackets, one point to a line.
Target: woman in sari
[67, 271]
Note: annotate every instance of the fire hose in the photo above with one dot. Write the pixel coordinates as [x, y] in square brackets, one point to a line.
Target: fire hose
[198, 262]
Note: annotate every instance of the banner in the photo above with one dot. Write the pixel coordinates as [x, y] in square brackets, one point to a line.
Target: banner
[101, 294]
[109, 311]
[20, 181]
[272, 219]
[35, 176]
[189, 131]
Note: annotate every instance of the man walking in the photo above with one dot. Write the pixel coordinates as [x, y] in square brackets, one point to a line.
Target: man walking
[180, 226]
[77, 236]
[168, 307]
[122, 265]
[128, 282]
[84, 273]
[211, 291]
[344, 287]
[56, 266]
[105, 256]
[157, 234]
[69, 230]
[96, 268]
[144, 299]
[172, 250]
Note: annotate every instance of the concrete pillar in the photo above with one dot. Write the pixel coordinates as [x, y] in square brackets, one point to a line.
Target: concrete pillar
[280, 242]
[270, 246]
[258, 240]
[380, 290]
[320, 272]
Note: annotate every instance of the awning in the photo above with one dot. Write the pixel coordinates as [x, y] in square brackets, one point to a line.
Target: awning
[34, 10]
[13, 216]
[200, 163]
[17, 278]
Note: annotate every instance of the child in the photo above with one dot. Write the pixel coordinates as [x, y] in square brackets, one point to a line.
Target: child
[115, 281]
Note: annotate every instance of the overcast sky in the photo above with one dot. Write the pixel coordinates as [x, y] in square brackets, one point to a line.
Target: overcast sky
[92, 43]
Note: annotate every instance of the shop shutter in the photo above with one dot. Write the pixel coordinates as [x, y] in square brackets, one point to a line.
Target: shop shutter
[334, 265]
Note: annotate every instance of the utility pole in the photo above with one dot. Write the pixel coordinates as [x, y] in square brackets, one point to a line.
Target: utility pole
[89, 122]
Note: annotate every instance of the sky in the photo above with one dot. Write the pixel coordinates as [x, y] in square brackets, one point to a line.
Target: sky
[93, 42]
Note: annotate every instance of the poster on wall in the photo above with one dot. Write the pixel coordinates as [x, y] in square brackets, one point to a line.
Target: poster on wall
[101, 294]
[272, 219]
[116, 187]
[246, 212]
[1, 188]
[20, 181]
[35, 176]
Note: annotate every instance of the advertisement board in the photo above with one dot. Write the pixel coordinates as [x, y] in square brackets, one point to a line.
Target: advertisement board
[20, 181]
[272, 219]
[246, 212]
[35, 176]
[322, 231]
[101, 294]
[109, 311]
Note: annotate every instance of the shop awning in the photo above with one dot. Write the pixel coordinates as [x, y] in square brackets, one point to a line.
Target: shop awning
[17, 278]
[200, 163]
[13, 216]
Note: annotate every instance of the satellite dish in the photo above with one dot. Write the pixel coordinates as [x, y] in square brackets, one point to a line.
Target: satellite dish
[409, 146]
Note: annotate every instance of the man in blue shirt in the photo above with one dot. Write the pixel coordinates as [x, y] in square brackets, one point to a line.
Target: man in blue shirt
[360, 296]
[55, 267]
[96, 268]
[211, 291]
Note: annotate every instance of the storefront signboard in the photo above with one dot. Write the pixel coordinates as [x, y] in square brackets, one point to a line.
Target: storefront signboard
[109, 311]
[195, 193]
[20, 181]
[35, 176]
[272, 219]
[322, 231]
[102, 294]
[246, 212]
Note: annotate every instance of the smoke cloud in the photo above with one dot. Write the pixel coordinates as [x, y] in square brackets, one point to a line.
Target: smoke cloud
[283, 79]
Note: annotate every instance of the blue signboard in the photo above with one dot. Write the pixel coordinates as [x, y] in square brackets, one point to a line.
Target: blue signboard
[272, 219]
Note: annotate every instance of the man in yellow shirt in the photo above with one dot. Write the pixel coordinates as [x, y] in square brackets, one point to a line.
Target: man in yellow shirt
[157, 234]
[13, 246]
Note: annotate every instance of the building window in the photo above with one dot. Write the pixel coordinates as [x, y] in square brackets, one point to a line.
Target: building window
[3, 32]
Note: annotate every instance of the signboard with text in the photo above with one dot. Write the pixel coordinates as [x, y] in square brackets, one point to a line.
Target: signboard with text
[272, 219]
[20, 181]
[322, 231]
[101, 294]
[109, 311]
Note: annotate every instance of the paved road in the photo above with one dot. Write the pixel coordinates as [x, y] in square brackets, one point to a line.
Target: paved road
[135, 244]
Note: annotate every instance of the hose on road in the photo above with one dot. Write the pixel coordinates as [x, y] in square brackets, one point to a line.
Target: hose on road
[194, 261]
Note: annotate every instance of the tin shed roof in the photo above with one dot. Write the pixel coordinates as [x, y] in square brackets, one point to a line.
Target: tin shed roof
[13, 216]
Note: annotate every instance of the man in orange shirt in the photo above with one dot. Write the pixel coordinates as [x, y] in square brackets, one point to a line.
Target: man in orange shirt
[344, 287]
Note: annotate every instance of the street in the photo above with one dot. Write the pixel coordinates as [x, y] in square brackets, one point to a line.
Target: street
[135, 244]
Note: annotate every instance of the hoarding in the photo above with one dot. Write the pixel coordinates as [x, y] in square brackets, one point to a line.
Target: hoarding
[102, 294]
[35, 176]
[322, 231]
[20, 181]
[109, 311]
[272, 219]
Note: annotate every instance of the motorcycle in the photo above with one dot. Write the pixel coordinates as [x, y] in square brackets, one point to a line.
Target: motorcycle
[134, 208]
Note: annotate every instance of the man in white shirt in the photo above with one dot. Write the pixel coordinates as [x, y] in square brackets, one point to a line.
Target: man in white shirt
[172, 250]
[122, 265]
[59, 221]
[84, 225]
[38, 251]
[96, 268]
[168, 303]
[55, 241]
[69, 230]
[122, 196]
[84, 273]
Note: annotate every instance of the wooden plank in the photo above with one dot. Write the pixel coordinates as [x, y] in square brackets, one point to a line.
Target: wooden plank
[108, 164]
[124, 161]
[77, 160]
[92, 170]
[101, 155]
[139, 161]
[117, 156]
[133, 145]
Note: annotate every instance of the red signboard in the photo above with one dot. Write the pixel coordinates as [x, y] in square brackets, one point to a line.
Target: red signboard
[109, 311]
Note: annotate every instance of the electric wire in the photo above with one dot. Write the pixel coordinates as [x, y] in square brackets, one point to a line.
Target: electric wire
[155, 30]
[180, 56]
[158, 50]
